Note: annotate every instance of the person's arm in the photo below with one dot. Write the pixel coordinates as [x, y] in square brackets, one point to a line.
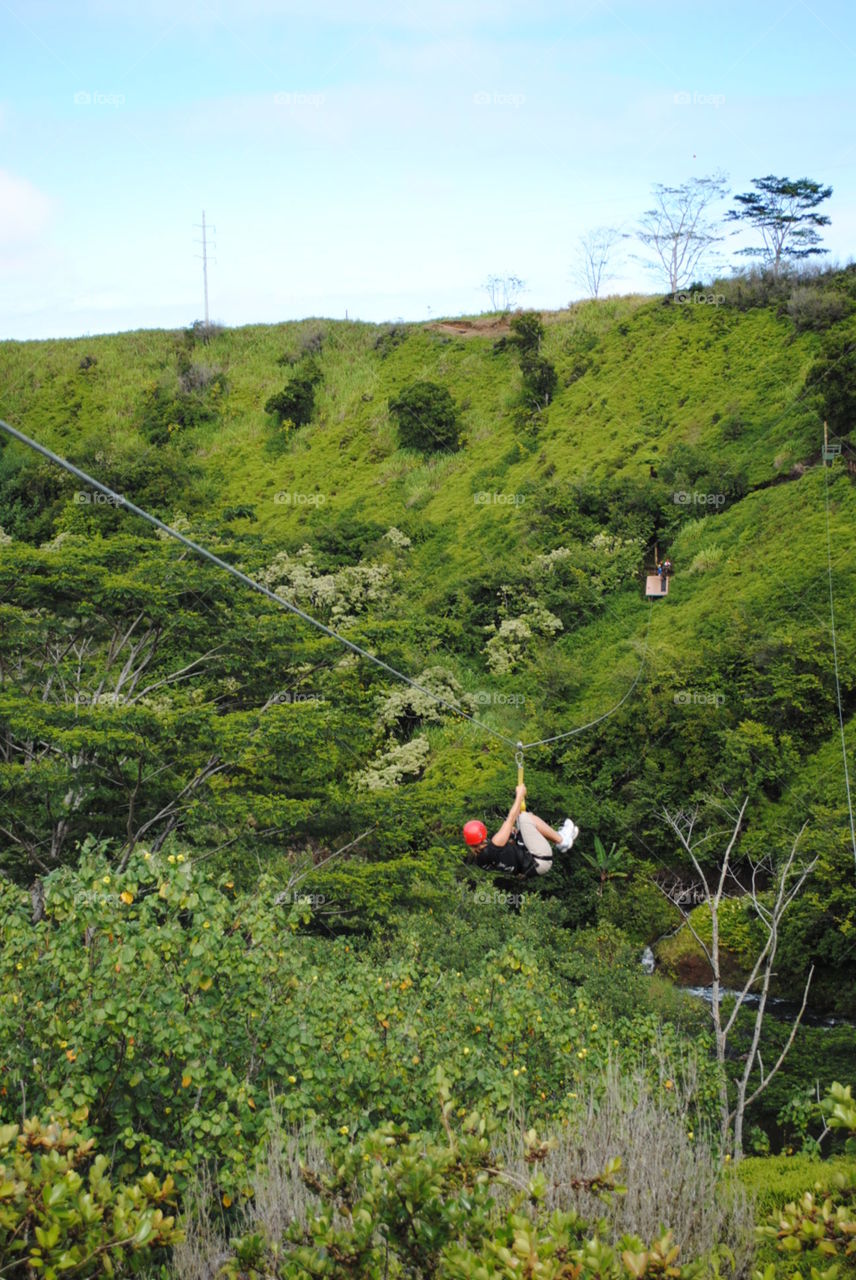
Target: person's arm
[503, 835]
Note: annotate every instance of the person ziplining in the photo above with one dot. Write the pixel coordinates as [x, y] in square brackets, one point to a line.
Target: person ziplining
[522, 845]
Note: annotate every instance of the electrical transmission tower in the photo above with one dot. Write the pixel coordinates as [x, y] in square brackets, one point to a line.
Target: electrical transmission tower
[204, 256]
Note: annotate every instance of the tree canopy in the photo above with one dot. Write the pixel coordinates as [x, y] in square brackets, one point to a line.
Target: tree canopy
[782, 210]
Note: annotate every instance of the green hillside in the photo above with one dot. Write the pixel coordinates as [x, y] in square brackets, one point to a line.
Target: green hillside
[166, 731]
[710, 397]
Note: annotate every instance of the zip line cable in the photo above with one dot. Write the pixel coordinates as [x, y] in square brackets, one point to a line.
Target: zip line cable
[835, 661]
[122, 501]
[542, 742]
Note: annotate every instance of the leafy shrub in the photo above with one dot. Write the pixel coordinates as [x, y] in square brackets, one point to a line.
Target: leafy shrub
[181, 401]
[733, 424]
[404, 708]
[539, 378]
[61, 1215]
[688, 467]
[342, 594]
[604, 963]
[390, 338]
[427, 418]
[391, 766]
[31, 495]
[527, 332]
[639, 909]
[757, 287]
[345, 539]
[296, 402]
[202, 331]
[812, 309]
[243, 511]
[312, 342]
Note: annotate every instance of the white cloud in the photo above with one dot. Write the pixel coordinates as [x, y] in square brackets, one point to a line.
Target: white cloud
[24, 210]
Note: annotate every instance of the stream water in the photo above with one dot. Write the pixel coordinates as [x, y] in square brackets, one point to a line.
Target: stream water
[784, 1010]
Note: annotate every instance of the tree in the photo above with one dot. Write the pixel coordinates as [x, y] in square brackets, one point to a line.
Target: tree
[503, 291]
[540, 379]
[135, 702]
[785, 880]
[596, 248]
[832, 380]
[782, 210]
[427, 417]
[678, 230]
[296, 401]
[527, 333]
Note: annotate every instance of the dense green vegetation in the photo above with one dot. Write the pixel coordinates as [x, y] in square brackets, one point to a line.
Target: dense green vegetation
[234, 900]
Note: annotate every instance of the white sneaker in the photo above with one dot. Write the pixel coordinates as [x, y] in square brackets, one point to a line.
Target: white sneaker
[569, 832]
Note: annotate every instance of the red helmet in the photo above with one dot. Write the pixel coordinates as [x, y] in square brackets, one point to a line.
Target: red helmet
[474, 832]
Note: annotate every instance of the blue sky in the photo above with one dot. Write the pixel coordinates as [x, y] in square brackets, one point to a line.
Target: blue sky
[383, 159]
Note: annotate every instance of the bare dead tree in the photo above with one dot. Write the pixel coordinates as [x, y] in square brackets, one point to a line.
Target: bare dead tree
[678, 230]
[786, 880]
[595, 250]
[503, 291]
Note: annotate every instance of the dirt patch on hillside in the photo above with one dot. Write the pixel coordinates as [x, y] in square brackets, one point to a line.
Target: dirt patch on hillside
[491, 326]
[480, 327]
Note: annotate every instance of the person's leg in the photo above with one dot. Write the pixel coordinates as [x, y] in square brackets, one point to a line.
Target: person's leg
[545, 830]
[531, 826]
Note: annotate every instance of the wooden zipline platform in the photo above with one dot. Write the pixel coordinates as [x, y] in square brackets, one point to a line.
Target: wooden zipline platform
[654, 585]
